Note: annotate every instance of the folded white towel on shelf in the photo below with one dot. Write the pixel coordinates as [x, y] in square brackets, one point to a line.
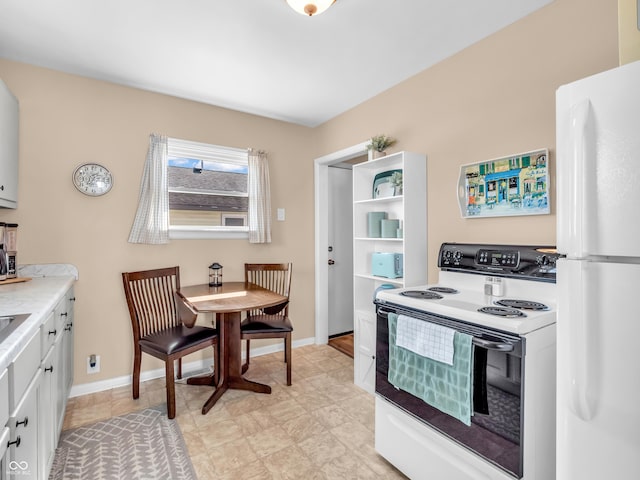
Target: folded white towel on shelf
[426, 339]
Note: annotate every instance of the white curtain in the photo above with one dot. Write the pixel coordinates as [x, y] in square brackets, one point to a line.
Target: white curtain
[259, 198]
[151, 224]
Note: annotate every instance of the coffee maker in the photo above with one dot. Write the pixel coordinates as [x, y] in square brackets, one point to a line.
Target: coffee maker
[8, 250]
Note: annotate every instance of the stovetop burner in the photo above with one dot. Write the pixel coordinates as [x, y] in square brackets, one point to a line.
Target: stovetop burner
[443, 290]
[424, 294]
[502, 311]
[522, 304]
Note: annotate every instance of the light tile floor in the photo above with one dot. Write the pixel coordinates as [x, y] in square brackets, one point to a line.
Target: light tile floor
[319, 428]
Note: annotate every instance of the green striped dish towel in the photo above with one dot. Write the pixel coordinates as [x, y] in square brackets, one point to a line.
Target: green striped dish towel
[445, 387]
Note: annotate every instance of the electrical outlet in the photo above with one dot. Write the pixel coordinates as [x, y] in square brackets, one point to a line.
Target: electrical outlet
[93, 363]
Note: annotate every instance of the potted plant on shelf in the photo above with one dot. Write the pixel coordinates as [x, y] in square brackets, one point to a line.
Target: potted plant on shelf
[378, 144]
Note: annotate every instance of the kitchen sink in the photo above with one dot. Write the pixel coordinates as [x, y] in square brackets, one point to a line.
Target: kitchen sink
[8, 323]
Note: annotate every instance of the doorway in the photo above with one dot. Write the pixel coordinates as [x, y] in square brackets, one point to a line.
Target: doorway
[340, 236]
[323, 218]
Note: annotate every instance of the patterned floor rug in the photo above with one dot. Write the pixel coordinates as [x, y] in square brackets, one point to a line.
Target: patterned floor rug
[144, 445]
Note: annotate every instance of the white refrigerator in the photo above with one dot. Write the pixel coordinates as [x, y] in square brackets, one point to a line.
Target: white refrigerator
[598, 228]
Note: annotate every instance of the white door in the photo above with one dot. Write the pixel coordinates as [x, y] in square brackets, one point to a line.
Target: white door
[340, 255]
[598, 382]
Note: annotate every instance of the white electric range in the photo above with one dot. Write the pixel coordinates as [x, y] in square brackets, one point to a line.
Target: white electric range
[504, 296]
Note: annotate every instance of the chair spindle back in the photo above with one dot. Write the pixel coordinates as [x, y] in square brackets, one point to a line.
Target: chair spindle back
[151, 300]
[272, 276]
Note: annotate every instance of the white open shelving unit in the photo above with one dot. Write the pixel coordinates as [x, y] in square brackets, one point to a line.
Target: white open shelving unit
[411, 209]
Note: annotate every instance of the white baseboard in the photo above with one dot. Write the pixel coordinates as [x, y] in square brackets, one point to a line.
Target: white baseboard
[188, 369]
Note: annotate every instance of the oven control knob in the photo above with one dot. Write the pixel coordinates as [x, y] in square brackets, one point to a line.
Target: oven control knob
[457, 256]
[542, 260]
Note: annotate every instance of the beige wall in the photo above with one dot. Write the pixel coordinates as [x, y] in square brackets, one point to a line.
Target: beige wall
[494, 99]
[66, 120]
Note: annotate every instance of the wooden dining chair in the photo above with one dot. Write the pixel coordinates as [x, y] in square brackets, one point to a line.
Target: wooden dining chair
[157, 327]
[270, 322]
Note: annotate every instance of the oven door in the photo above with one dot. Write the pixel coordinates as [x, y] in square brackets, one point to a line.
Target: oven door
[495, 432]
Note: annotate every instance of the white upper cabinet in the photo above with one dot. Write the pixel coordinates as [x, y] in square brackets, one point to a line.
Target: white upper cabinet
[8, 148]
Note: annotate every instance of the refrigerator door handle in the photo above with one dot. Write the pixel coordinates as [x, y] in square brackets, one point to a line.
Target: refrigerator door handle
[582, 162]
[578, 343]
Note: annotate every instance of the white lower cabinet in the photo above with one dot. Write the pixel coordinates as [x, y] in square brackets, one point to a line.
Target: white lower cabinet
[65, 359]
[25, 376]
[48, 411]
[4, 452]
[4, 426]
[365, 350]
[23, 438]
[4, 398]
[39, 382]
[57, 372]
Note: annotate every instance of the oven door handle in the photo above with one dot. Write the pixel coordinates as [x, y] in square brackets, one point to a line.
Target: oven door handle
[384, 312]
[480, 342]
[492, 345]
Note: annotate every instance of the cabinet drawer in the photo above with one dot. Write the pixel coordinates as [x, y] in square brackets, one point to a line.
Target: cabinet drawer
[23, 368]
[4, 398]
[49, 334]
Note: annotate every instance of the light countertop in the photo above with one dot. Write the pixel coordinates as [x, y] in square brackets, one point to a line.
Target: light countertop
[38, 297]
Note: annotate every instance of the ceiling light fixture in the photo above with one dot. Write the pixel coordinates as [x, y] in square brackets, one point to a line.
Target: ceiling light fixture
[310, 7]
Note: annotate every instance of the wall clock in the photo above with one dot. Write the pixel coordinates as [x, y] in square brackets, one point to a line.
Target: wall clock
[92, 179]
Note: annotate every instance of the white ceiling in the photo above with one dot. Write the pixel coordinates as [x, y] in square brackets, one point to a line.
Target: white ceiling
[255, 56]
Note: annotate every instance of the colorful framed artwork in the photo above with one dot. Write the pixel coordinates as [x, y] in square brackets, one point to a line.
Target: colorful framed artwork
[507, 186]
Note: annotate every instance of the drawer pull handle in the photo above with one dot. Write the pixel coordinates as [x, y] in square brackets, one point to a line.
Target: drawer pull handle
[49, 369]
[64, 314]
[24, 422]
[72, 299]
[53, 332]
[68, 327]
[16, 442]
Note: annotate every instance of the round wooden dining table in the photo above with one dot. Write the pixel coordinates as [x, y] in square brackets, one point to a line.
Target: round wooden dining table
[227, 302]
